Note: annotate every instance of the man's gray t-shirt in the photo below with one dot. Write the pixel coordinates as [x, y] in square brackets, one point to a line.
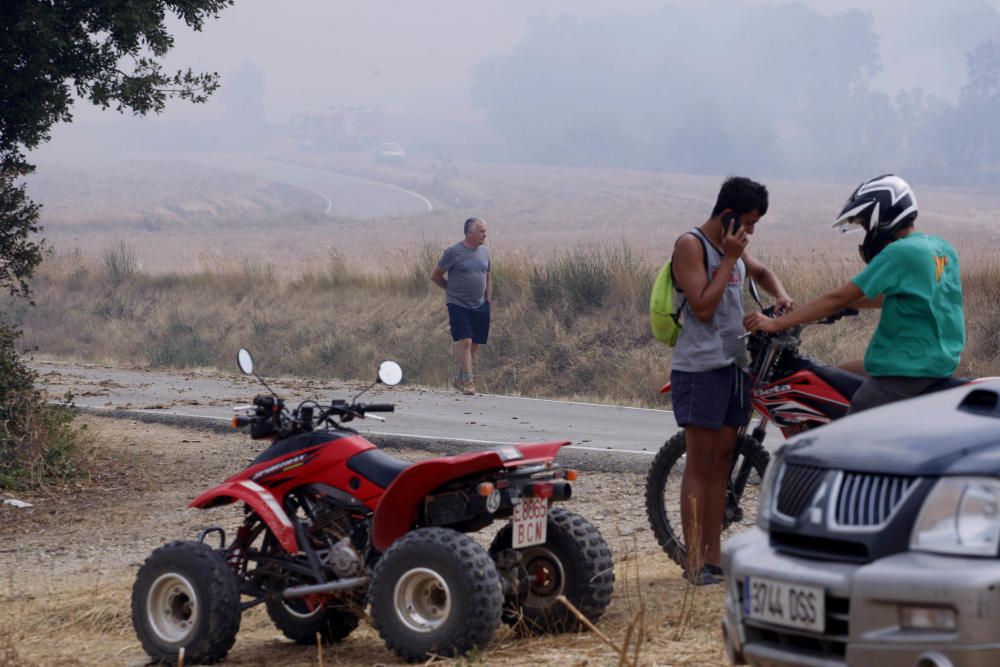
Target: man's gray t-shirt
[467, 269]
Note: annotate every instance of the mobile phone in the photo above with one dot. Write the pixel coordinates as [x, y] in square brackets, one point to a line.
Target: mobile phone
[728, 220]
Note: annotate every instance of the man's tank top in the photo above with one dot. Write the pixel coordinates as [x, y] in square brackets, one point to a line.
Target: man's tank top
[704, 346]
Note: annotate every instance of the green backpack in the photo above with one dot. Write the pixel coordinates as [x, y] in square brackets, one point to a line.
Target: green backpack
[664, 319]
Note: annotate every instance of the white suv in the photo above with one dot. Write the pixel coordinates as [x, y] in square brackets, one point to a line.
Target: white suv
[878, 541]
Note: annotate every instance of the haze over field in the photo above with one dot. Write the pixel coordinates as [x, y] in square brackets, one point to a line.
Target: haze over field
[821, 89]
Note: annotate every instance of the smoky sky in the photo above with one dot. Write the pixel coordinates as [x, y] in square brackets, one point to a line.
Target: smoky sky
[421, 63]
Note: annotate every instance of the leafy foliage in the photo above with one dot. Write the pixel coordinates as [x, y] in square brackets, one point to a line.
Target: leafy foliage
[49, 51]
[104, 52]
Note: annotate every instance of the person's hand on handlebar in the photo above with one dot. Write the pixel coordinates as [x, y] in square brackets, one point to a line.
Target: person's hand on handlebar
[758, 322]
[785, 305]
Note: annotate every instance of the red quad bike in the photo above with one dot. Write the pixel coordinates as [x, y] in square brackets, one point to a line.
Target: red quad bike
[788, 388]
[332, 524]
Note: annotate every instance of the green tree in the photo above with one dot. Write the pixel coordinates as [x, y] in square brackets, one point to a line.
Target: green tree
[51, 55]
[54, 52]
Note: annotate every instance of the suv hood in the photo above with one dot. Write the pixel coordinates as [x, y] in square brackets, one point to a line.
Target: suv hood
[953, 432]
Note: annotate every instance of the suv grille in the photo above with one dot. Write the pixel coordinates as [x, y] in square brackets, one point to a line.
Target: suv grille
[867, 499]
[798, 484]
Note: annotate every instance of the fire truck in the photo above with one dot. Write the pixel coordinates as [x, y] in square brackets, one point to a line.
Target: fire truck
[337, 129]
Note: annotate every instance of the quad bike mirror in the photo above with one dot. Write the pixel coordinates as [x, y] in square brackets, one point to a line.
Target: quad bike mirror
[245, 361]
[390, 373]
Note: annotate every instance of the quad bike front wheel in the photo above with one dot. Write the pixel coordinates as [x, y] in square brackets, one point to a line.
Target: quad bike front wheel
[435, 592]
[663, 492]
[574, 562]
[186, 596]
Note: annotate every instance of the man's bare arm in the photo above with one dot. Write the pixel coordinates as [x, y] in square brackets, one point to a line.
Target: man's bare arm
[437, 277]
[767, 279]
[865, 302]
[817, 309]
[689, 271]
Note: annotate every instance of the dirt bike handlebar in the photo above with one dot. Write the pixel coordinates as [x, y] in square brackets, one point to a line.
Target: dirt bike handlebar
[375, 407]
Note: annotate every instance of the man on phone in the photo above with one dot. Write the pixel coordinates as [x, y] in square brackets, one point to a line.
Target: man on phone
[711, 388]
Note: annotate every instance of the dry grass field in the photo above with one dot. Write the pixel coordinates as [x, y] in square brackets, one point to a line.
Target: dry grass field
[575, 251]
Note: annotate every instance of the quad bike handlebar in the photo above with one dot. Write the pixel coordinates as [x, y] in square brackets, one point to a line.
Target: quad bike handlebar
[268, 416]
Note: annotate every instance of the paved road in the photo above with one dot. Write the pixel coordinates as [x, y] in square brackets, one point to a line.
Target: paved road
[423, 417]
[341, 195]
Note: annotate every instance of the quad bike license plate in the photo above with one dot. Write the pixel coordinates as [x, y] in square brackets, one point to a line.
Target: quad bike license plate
[530, 521]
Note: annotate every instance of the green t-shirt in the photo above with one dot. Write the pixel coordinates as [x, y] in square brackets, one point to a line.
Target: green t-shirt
[922, 329]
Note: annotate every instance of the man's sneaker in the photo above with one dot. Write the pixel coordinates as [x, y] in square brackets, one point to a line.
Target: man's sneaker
[708, 575]
[467, 388]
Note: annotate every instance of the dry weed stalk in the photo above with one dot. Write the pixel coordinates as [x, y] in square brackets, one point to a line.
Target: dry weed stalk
[695, 561]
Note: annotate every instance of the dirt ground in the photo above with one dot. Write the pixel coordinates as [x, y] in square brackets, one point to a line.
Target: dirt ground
[67, 565]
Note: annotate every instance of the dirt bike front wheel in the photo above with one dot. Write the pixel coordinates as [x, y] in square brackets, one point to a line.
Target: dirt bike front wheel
[663, 492]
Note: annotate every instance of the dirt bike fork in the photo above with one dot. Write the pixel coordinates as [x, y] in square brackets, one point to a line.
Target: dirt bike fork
[736, 484]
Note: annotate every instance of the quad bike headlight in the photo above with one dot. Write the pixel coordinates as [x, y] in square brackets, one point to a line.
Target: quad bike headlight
[961, 516]
[767, 489]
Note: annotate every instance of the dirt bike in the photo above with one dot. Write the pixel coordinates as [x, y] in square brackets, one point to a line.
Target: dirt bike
[788, 388]
[332, 524]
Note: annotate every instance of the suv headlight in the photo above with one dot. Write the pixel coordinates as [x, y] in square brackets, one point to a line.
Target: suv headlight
[961, 515]
[767, 489]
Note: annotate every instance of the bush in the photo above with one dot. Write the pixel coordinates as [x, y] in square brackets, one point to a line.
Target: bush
[120, 261]
[37, 442]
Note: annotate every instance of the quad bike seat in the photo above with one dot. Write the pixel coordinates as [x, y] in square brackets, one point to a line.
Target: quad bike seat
[845, 382]
[376, 466]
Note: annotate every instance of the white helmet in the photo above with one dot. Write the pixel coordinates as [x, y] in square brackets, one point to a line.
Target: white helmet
[881, 205]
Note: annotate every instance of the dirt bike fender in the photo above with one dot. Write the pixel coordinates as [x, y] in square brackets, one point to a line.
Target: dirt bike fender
[534, 453]
[398, 507]
[260, 500]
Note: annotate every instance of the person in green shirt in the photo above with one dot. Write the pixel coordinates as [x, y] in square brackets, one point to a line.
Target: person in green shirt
[913, 277]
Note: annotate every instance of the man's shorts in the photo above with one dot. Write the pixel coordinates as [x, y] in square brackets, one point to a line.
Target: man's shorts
[880, 390]
[711, 399]
[471, 323]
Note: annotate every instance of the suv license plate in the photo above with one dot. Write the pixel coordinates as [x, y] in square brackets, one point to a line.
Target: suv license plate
[530, 521]
[781, 603]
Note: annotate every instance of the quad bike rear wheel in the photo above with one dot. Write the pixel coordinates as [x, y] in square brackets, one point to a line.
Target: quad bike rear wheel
[300, 624]
[574, 562]
[186, 596]
[435, 592]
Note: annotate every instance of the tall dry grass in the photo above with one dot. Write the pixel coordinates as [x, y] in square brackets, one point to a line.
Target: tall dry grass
[573, 324]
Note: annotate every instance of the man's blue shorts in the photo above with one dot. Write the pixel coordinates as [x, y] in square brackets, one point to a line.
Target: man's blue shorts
[471, 323]
[711, 399]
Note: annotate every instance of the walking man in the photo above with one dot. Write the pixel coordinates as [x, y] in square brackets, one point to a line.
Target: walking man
[468, 291]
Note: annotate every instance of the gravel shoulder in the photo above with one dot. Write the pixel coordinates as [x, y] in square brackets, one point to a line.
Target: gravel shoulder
[67, 564]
